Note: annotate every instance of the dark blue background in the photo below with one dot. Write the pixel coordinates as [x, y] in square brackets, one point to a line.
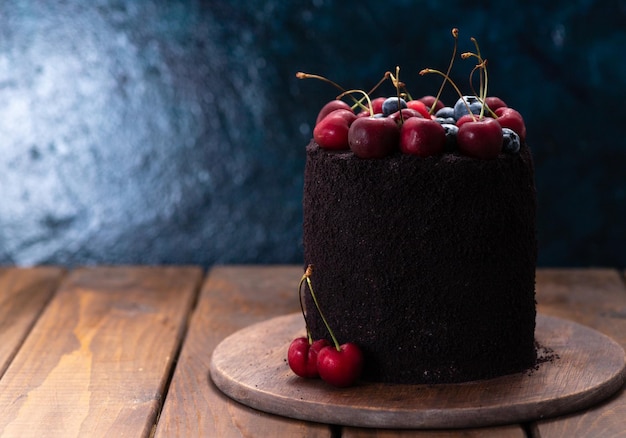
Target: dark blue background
[174, 132]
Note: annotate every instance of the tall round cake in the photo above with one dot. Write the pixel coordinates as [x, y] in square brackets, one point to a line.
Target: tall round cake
[426, 263]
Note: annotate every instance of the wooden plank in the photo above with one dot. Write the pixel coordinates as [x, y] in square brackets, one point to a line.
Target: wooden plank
[596, 298]
[24, 292]
[494, 432]
[233, 297]
[97, 361]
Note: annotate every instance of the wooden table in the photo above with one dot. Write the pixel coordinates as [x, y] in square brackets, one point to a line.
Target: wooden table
[125, 351]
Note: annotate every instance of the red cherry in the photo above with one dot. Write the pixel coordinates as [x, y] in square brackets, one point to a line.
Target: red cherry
[422, 137]
[373, 137]
[406, 113]
[480, 139]
[466, 118]
[377, 106]
[429, 101]
[494, 103]
[419, 106]
[332, 131]
[330, 107]
[302, 356]
[341, 367]
[512, 119]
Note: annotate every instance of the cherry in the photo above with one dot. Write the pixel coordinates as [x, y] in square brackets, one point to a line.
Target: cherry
[373, 137]
[431, 101]
[330, 107]
[405, 113]
[422, 137]
[332, 131]
[480, 139]
[464, 119]
[420, 107]
[493, 103]
[341, 366]
[377, 105]
[302, 356]
[512, 119]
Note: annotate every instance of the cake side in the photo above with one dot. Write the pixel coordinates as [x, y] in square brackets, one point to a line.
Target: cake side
[428, 264]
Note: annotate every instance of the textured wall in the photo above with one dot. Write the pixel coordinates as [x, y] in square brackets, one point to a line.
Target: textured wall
[174, 132]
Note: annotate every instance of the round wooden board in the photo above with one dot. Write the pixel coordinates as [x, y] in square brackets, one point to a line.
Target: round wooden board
[250, 366]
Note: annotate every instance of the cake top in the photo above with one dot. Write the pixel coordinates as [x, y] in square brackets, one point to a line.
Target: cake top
[477, 125]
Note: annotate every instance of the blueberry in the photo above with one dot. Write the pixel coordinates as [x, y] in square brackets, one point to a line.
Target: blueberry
[448, 120]
[460, 107]
[510, 141]
[446, 112]
[451, 130]
[390, 105]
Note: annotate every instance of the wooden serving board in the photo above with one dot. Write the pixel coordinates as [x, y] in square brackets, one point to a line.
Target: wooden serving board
[250, 366]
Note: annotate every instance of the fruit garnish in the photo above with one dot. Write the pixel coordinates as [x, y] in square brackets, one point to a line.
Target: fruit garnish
[420, 107]
[481, 138]
[422, 137]
[330, 107]
[511, 141]
[373, 138]
[332, 131]
[478, 136]
[339, 365]
[302, 356]
[455, 35]
[512, 119]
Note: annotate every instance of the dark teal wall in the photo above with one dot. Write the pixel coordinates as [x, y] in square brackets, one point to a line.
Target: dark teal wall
[174, 132]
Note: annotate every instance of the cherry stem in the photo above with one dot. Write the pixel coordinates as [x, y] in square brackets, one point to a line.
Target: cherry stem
[359, 103]
[397, 84]
[302, 75]
[447, 78]
[307, 277]
[306, 323]
[484, 78]
[369, 107]
[455, 35]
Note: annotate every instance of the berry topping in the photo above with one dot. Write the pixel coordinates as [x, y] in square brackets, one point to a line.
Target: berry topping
[432, 103]
[510, 141]
[422, 137]
[451, 131]
[424, 126]
[512, 119]
[330, 107]
[480, 139]
[332, 131]
[465, 105]
[420, 107]
[393, 104]
[493, 103]
[446, 112]
[372, 137]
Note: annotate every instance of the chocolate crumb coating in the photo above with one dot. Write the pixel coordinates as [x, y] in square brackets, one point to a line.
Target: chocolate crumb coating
[428, 264]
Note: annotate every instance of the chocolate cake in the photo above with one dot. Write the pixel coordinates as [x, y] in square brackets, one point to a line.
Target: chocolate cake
[428, 264]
